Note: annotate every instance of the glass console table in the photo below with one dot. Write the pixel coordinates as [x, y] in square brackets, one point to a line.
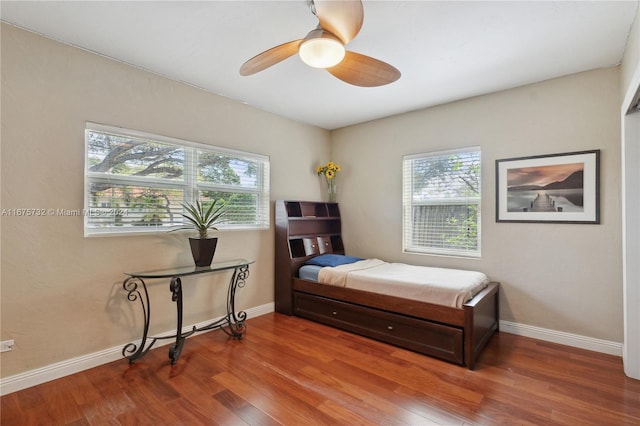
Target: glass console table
[232, 323]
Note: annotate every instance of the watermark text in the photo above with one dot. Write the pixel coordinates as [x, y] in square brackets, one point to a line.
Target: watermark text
[95, 212]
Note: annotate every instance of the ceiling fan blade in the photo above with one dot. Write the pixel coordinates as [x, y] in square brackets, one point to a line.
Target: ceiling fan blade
[341, 18]
[362, 70]
[270, 57]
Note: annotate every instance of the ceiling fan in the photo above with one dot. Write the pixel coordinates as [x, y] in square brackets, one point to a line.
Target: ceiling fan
[324, 47]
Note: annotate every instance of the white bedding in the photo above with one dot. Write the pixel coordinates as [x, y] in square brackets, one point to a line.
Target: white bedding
[449, 287]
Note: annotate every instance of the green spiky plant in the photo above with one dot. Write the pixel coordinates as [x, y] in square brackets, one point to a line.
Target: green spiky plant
[202, 219]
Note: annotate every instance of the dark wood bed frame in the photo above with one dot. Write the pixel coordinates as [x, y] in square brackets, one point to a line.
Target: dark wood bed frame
[305, 229]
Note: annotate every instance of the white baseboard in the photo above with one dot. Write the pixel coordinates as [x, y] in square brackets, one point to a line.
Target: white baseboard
[75, 365]
[568, 339]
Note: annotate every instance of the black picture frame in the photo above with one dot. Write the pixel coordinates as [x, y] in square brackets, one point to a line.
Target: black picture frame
[553, 188]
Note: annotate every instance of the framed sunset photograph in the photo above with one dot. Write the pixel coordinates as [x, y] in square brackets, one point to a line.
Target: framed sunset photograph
[556, 188]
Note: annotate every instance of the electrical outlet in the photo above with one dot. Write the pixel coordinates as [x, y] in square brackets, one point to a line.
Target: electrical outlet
[6, 345]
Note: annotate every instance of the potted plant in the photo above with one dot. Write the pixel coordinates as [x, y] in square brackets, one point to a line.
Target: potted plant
[203, 219]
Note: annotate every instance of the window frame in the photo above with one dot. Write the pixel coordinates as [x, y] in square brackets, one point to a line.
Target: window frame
[408, 204]
[188, 184]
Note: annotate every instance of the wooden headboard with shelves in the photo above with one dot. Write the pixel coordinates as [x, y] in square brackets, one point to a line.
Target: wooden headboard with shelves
[303, 229]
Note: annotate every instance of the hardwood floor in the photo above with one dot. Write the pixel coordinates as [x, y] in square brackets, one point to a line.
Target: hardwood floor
[289, 371]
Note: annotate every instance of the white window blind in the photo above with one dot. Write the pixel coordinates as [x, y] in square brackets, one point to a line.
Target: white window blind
[441, 203]
[136, 182]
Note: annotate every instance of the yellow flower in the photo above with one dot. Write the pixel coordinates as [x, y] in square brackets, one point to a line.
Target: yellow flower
[329, 170]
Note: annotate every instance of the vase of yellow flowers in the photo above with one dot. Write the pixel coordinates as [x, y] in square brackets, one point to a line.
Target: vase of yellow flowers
[329, 172]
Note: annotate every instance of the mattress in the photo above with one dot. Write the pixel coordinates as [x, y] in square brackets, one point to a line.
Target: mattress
[449, 287]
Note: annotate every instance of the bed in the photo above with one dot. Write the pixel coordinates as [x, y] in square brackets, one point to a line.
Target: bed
[358, 295]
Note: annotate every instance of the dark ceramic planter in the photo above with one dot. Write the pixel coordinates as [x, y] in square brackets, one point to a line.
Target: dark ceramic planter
[203, 250]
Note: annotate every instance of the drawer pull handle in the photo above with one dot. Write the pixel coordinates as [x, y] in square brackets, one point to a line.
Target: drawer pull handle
[334, 313]
[389, 327]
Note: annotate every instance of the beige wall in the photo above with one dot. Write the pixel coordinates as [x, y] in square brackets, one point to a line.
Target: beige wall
[557, 276]
[61, 292]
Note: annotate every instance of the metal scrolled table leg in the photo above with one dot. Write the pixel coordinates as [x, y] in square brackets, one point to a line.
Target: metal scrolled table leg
[132, 351]
[176, 295]
[235, 320]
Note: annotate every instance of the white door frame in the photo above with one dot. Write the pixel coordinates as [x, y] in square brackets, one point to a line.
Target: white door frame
[631, 228]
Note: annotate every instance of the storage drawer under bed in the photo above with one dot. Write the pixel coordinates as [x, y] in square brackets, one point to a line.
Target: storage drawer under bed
[422, 336]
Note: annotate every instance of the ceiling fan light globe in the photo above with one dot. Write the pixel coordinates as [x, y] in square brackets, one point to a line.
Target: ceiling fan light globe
[321, 52]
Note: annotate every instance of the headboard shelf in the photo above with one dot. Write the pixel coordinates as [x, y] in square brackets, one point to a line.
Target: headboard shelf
[305, 209]
[314, 226]
[303, 229]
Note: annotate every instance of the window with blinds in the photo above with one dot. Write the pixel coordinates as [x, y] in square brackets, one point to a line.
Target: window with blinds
[441, 203]
[136, 182]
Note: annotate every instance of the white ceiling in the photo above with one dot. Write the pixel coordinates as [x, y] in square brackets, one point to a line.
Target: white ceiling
[446, 50]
